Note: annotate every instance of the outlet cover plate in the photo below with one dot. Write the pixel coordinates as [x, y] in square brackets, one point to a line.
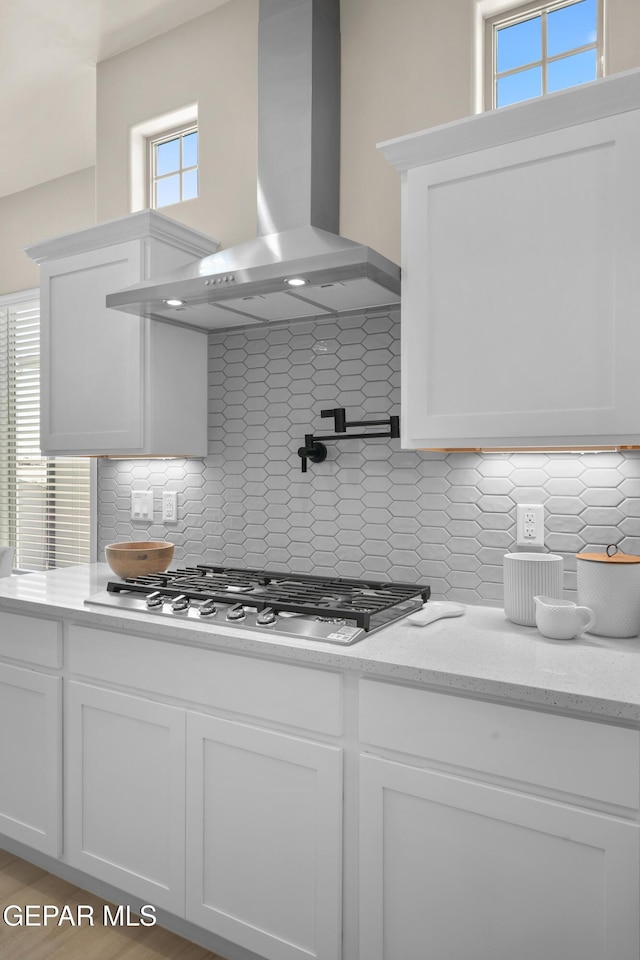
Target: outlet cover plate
[169, 506]
[530, 525]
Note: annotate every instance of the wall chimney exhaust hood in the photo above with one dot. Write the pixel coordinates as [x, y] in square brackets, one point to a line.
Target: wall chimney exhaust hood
[298, 266]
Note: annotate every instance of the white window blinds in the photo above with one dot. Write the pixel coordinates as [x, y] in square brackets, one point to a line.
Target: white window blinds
[44, 501]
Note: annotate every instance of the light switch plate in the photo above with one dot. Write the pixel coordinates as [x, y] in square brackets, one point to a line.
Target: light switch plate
[142, 505]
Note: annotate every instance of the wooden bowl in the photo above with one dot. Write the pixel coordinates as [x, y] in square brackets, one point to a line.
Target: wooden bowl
[138, 559]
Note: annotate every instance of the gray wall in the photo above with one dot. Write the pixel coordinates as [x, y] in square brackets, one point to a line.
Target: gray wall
[370, 509]
[46, 210]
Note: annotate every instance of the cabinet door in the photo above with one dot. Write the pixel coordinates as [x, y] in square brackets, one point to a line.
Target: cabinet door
[453, 868]
[521, 292]
[31, 758]
[92, 358]
[125, 792]
[264, 839]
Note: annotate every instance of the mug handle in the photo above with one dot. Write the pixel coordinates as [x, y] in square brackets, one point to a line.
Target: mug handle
[587, 615]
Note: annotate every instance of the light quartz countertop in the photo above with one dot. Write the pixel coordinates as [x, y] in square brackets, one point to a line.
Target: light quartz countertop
[480, 654]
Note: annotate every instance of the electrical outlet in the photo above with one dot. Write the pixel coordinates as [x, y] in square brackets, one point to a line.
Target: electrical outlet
[169, 506]
[530, 525]
[142, 505]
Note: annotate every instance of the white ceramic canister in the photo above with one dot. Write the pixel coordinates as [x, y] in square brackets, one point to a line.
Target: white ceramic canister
[529, 575]
[609, 583]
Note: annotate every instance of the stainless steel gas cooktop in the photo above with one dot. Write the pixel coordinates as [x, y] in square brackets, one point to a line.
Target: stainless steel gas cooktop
[309, 607]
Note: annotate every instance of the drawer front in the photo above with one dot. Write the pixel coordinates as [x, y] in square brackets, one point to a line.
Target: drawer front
[31, 639]
[581, 757]
[276, 692]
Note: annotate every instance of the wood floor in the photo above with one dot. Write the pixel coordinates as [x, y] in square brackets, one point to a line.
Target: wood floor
[22, 883]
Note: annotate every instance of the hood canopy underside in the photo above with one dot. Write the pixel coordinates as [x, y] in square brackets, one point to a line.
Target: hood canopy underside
[248, 283]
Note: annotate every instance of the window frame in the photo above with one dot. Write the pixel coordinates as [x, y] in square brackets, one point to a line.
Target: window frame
[526, 11]
[153, 177]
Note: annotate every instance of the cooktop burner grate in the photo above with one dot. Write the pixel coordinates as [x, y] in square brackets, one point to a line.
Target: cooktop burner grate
[356, 600]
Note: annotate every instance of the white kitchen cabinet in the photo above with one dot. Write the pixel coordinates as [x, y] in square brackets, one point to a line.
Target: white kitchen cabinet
[264, 839]
[492, 832]
[113, 383]
[125, 800]
[31, 756]
[262, 807]
[520, 280]
[455, 868]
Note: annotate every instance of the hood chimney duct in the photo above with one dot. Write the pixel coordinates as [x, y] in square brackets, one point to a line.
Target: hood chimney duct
[298, 115]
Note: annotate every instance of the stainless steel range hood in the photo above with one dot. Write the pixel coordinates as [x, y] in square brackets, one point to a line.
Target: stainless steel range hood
[298, 199]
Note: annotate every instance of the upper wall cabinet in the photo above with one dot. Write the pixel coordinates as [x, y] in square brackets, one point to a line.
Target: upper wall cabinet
[520, 273]
[112, 383]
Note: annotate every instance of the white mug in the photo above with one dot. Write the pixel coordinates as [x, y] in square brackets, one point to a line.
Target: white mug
[561, 619]
[529, 575]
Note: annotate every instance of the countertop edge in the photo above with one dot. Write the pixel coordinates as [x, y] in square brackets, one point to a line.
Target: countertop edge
[338, 658]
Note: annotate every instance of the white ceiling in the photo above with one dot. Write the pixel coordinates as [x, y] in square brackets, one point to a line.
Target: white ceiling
[48, 55]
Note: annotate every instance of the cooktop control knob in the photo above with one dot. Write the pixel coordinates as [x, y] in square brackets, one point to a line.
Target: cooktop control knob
[154, 599]
[236, 612]
[208, 608]
[266, 617]
[180, 603]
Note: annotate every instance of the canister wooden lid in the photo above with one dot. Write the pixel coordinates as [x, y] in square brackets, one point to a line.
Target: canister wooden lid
[613, 555]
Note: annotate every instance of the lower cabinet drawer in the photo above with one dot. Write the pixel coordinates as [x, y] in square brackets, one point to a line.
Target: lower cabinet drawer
[581, 757]
[31, 639]
[277, 692]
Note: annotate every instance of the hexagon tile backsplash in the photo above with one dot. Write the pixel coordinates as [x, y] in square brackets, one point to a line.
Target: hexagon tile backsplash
[371, 509]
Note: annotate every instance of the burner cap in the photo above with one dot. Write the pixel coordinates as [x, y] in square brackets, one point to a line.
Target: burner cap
[336, 598]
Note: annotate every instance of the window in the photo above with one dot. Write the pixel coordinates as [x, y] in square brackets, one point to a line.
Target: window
[142, 136]
[44, 501]
[541, 48]
[174, 167]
